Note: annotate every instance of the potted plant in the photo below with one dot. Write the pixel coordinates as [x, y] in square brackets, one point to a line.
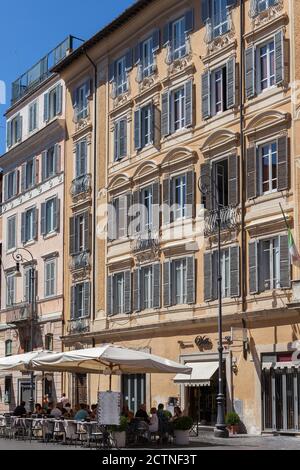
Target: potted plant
[182, 428]
[233, 421]
[119, 432]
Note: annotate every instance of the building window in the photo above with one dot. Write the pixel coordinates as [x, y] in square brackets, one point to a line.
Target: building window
[49, 342]
[179, 187]
[50, 278]
[219, 89]
[267, 155]
[147, 287]
[147, 205]
[120, 139]
[119, 292]
[180, 281]
[134, 391]
[220, 171]
[178, 109]
[28, 284]
[264, 4]
[81, 103]
[10, 289]
[14, 131]
[11, 233]
[10, 185]
[219, 17]
[80, 300]
[49, 162]
[178, 35]
[28, 175]
[230, 271]
[266, 66]
[28, 231]
[8, 348]
[225, 271]
[50, 216]
[8, 389]
[53, 103]
[79, 233]
[143, 126]
[147, 57]
[81, 159]
[270, 264]
[121, 76]
[33, 117]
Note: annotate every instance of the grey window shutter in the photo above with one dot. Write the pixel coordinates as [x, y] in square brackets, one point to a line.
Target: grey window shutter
[208, 281]
[16, 182]
[19, 128]
[138, 129]
[46, 107]
[188, 103]
[233, 186]
[72, 235]
[43, 219]
[206, 184]
[279, 57]
[36, 170]
[189, 21]
[156, 126]
[234, 271]
[57, 150]
[214, 272]
[8, 134]
[128, 60]
[251, 173]
[250, 71]
[116, 141]
[88, 87]
[167, 34]
[155, 205]
[23, 227]
[23, 177]
[44, 165]
[230, 69]
[109, 296]
[123, 138]
[156, 285]
[136, 290]
[73, 302]
[206, 111]
[138, 53]
[5, 187]
[87, 298]
[166, 201]
[191, 280]
[253, 267]
[135, 212]
[112, 71]
[155, 40]
[87, 229]
[35, 223]
[59, 90]
[165, 114]
[167, 284]
[30, 118]
[190, 194]
[282, 164]
[111, 222]
[123, 229]
[285, 269]
[56, 214]
[127, 297]
[205, 10]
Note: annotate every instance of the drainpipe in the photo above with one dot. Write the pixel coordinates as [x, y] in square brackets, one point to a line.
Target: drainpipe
[93, 303]
[243, 162]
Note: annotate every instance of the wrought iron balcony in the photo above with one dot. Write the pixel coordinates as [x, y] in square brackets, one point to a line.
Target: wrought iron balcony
[81, 185]
[80, 261]
[79, 325]
[230, 219]
[18, 314]
[146, 241]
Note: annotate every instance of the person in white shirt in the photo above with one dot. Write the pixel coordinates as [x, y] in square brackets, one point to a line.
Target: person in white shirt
[64, 400]
[153, 425]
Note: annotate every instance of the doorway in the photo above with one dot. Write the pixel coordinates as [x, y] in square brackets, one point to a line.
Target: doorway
[25, 393]
[202, 402]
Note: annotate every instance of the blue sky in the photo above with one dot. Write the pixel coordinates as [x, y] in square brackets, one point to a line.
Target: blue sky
[31, 28]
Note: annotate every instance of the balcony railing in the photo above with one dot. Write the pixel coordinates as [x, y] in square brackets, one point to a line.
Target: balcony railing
[81, 185]
[80, 325]
[146, 241]
[230, 219]
[80, 261]
[18, 314]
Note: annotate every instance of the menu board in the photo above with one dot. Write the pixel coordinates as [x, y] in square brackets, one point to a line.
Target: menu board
[109, 408]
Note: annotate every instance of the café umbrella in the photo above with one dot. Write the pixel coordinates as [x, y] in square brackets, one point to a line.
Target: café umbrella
[21, 362]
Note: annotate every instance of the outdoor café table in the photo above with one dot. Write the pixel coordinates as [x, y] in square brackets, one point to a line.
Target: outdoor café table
[86, 428]
[39, 425]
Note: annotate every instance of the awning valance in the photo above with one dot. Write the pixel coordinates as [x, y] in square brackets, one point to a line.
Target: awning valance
[280, 365]
[201, 375]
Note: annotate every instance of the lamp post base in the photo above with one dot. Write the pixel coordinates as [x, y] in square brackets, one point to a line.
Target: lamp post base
[221, 433]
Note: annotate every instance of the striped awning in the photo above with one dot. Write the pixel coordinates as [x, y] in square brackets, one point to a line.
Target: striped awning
[201, 375]
[280, 365]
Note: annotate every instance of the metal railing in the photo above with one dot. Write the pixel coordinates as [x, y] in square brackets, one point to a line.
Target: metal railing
[144, 241]
[79, 325]
[80, 261]
[230, 218]
[81, 185]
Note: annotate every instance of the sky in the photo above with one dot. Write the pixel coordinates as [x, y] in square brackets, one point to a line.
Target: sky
[29, 29]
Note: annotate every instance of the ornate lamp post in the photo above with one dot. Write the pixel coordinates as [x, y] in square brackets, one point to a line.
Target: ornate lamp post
[20, 257]
[219, 218]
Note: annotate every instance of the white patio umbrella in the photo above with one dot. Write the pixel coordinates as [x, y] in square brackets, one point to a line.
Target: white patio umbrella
[108, 359]
[21, 362]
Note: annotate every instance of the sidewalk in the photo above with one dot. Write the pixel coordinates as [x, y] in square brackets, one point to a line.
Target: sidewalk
[245, 442]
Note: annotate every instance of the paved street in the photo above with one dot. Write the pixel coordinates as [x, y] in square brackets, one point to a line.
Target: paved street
[203, 442]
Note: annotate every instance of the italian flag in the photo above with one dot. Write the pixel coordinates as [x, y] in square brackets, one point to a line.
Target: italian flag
[294, 253]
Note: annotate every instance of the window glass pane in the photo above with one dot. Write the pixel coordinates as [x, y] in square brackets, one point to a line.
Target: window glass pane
[50, 168]
[119, 291]
[180, 281]
[179, 47]
[178, 104]
[147, 58]
[50, 216]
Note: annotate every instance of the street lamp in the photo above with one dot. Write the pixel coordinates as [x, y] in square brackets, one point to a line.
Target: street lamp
[220, 217]
[19, 258]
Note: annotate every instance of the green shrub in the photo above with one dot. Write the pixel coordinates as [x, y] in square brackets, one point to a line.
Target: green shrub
[122, 426]
[184, 423]
[232, 418]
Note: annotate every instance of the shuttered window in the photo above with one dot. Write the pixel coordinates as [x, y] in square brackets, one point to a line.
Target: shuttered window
[119, 293]
[230, 271]
[120, 139]
[119, 219]
[29, 225]
[146, 287]
[11, 185]
[11, 233]
[80, 100]
[50, 278]
[14, 131]
[81, 158]
[226, 174]
[33, 117]
[50, 216]
[53, 103]
[177, 109]
[219, 17]
[80, 300]
[10, 289]
[51, 164]
[121, 76]
[144, 126]
[269, 264]
[179, 281]
[80, 233]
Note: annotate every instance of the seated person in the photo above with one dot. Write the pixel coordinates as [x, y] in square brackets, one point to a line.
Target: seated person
[93, 413]
[177, 413]
[56, 411]
[142, 413]
[153, 425]
[20, 409]
[82, 413]
[163, 420]
[68, 412]
[38, 410]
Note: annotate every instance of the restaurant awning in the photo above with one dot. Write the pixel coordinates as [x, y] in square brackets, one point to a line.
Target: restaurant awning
[201, 375]
[280, 365]
[21, 362]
